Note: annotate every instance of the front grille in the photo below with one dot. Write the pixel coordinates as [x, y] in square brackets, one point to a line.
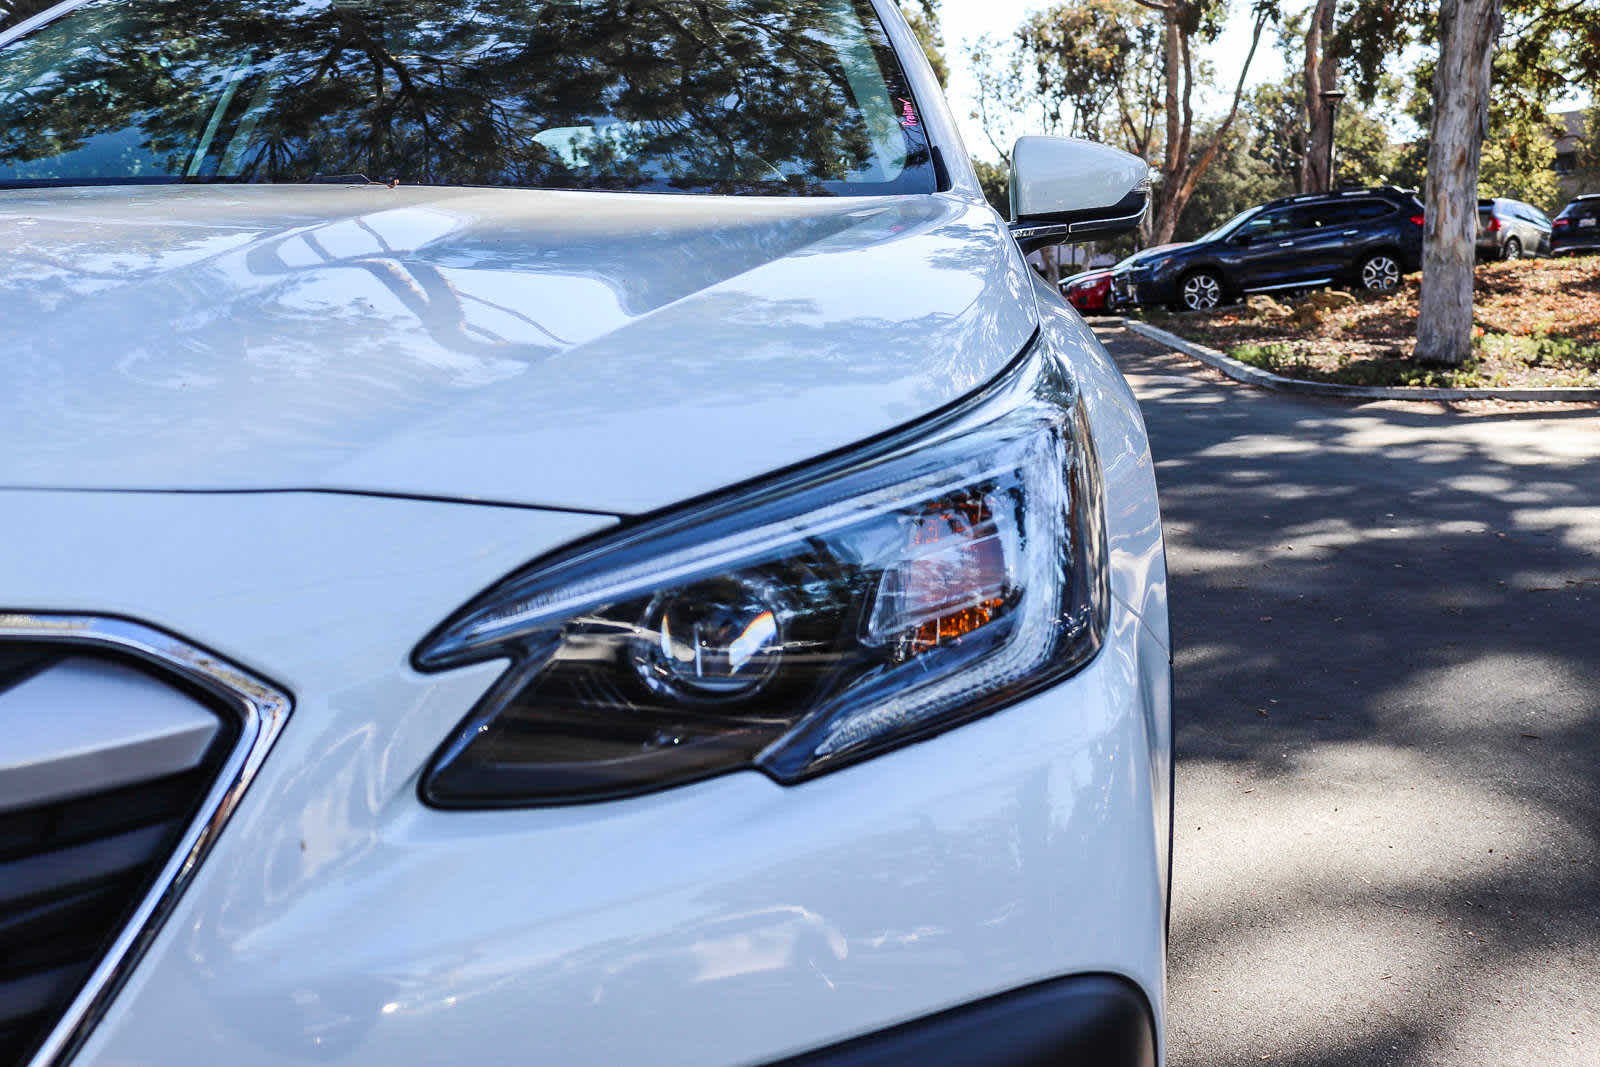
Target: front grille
[85, 835]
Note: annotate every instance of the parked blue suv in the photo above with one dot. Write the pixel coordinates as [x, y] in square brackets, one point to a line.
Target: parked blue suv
[1363, 237]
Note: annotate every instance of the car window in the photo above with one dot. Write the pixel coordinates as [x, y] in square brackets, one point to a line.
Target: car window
[1227, 228]
[1330, 216]
[725, 96]
[1271, 223]
[1581, 209]
[1346, 213]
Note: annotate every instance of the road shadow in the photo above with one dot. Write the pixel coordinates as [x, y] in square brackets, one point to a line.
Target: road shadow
[1387, 698]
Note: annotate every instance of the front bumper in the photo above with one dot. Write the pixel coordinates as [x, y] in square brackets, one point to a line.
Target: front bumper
[732, 921]
[1094, 302]
[1124, 290]
[1143, 288]
[1090, 1019]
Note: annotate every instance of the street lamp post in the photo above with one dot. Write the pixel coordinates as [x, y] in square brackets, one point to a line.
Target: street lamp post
[1331, 97]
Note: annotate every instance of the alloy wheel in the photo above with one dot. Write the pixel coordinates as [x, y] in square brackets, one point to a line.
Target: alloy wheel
[1202, 292]
[1380, 274]
[1513, 249]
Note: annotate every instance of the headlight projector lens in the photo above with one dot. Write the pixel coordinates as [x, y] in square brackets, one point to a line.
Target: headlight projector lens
[715, 642]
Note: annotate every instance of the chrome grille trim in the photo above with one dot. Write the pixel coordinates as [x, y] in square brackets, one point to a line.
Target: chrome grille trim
[262, 710]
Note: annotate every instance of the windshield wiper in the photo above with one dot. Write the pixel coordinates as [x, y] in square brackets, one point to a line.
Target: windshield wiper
[348, 179]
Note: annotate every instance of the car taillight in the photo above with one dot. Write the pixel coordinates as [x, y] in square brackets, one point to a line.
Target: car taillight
[1494, 225]
[1416, 220]
[1562, 224]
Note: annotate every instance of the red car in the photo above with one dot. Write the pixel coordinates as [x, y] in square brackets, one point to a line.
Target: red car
[1090, 292]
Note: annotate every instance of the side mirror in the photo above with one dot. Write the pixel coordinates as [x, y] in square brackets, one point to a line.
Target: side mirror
[1241, 238]
[1064, 190]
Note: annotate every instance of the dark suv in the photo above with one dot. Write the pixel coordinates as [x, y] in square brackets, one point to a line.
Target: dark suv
[1577, 228]
[1365, 237]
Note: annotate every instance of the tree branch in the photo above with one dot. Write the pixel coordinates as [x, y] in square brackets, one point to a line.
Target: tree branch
[1192, 179]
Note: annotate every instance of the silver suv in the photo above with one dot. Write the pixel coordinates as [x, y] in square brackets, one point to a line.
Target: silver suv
[1511, 229]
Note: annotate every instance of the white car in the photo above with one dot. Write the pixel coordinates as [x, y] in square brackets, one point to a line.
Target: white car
[560, 531]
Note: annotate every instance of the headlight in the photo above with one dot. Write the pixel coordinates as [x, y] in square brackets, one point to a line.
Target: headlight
[799, 625]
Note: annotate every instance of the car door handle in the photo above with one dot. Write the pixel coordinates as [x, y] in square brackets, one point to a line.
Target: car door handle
[1351, 233]
[1285, 244]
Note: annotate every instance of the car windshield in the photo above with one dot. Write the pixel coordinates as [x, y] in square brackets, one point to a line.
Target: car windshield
[798, 97]
[1228, 227]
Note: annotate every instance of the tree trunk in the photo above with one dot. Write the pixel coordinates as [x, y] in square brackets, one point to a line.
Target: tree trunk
[1321, 71]
[1172, 161]
[1468, 32]
[1181, 174]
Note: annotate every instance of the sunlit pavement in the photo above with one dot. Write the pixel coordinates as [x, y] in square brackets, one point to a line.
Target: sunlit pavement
[1387, 628]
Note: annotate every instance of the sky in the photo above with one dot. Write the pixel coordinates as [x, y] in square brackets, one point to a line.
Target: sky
[965, 21]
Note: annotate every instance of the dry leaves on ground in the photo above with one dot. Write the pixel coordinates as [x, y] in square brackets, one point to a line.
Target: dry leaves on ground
[1537, 325]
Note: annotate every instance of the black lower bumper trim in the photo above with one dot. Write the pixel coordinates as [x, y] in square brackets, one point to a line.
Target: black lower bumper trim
[1085, 1021]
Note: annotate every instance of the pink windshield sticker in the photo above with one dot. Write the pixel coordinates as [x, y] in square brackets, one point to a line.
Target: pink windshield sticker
[908, 113]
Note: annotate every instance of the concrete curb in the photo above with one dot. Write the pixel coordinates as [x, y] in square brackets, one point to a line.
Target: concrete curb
[1243, 372]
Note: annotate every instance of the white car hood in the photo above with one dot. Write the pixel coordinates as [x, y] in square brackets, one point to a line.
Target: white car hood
[606, 352]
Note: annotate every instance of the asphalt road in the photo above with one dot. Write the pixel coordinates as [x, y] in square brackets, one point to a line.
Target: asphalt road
[1387, 631]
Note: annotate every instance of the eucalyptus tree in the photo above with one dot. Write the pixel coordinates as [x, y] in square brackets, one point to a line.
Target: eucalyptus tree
[1187, 25]
[1469, 32]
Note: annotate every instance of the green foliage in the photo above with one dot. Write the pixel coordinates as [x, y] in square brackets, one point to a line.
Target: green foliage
[1238, 179]
[1372, 33]
[923, 17]
[1518, 155]
[1364, 142]
[1541, 350]
[1001, 101]
[1090, 68]
[1549, 48]
[1274, 356]
[1089, 65]
[1261, 157]
[1403, 371]
[1281, 357]
[996, 182]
